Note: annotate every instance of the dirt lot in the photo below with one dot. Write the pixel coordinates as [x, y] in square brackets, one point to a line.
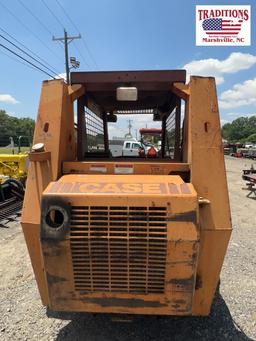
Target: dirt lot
[233, 315]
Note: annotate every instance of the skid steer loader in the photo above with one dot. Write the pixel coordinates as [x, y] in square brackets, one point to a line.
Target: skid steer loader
[127, 235]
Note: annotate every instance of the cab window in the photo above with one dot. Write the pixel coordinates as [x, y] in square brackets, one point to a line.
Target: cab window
[135, 146]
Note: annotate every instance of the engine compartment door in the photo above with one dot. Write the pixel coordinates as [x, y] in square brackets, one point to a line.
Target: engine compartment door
[120, 243]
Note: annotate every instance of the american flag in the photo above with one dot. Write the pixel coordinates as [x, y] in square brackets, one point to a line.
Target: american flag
[218, 26]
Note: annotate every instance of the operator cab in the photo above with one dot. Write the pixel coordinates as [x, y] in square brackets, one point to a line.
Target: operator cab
[126, 115]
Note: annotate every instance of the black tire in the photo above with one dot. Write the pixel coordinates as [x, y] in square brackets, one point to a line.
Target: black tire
[16, 187]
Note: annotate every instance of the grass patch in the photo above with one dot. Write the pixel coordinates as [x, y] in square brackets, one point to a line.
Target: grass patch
[5, 150]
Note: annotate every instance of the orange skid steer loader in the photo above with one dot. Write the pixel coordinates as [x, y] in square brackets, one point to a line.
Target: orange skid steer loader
[122, 234]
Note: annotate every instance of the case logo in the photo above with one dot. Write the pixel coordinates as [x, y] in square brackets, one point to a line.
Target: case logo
[118, 188]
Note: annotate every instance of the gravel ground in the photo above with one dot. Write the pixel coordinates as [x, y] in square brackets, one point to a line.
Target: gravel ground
[233, 315]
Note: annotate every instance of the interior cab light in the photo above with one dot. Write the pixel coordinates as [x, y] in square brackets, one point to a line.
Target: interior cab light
[127, 94]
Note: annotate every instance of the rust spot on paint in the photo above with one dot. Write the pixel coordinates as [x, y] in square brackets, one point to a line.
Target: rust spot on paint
[185, 312]
[181, 281]
[178, 241]
[184, 216]
[199, 282]
[124, 302]
[182, 284]
[175, 306]
[54, 253]
[51, 249]
[51, 279]
[180, 301]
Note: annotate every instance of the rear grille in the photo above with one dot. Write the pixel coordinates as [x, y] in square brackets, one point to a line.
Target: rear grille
[119, 249]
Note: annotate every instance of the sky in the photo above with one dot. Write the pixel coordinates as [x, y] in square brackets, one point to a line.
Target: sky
[121, 35]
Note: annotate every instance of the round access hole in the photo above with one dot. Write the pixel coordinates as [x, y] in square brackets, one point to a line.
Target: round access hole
[55, 217]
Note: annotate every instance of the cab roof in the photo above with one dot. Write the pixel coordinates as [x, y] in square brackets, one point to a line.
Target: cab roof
[154, 88]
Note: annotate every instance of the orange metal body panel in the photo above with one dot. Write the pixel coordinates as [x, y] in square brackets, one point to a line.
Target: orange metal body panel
[208, 175]
[90, 167]
[54, 127]
[195, 250]
[150, 191]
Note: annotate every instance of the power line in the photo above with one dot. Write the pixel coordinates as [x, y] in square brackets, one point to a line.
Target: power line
[35, 17]
[29, 62]
[81, 55]
[17, 60]
[62, 26]
[53, 14]
[25, 47]
[67, 15]
[29, 30]
[76, 28]
[90, 53]
[17, 47]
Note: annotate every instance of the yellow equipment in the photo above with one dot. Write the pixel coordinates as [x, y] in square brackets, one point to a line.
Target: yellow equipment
[127, 235]
[13, 166]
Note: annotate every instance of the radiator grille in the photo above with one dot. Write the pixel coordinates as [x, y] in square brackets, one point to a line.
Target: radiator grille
[119, 249]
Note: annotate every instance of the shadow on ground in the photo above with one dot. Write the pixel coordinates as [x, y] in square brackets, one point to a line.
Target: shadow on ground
[218, 326]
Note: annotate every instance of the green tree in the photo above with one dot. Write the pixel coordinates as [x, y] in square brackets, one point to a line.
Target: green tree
[240, 129]
[13, 126]
[251, 138]
[226, 131]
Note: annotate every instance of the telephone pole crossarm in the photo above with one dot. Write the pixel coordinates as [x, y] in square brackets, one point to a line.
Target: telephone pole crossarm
[66, 40]
[69, 38]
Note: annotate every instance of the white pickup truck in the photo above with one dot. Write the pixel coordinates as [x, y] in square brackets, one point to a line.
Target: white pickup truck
[131, 148]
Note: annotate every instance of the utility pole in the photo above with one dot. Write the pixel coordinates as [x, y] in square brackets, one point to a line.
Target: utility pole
[66, 40]
[129, 126]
